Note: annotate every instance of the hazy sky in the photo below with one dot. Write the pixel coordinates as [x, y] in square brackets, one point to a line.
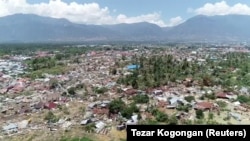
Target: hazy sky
[161, 12]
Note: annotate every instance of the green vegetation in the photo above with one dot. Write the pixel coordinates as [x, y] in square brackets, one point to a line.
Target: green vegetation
[159, 115]
[100, 90]
[199, 114]
[150, 122]
[184, 108]
[128, 111]
[42, 63]
[210, 96]
[40, 73]
[222, 104]
[80, 86]
[72, 90]
[230, 70]
[116, 105]
[173, 120]
[90, 127]
[51, 118]
[189, 98]
[53, 83]
[141, 98]
[76, 139]
[55, 60]
[210, 116]
[244, 99]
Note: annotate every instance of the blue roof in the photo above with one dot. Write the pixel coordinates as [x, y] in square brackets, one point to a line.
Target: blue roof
[131, 67]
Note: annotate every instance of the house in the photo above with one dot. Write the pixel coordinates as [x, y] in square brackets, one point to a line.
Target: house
[160, 98]
[66, 124]
[23, 124]
[10, 128]
[52, 97]
[131, 91]
[222, 95]
[24, 109]
[204, 106]
[39, 105]
[88, 115]
[133, 120]
[99, 126]
[188, 82]
[101, 111]
[92, 105]
[175, 101]
[181, 115]
[120, 127]
[3, 91]
[157, 92]
[244, 90]
[133, 67]
[50, 105]
[162, 104]
[86, 121]
[235, 116]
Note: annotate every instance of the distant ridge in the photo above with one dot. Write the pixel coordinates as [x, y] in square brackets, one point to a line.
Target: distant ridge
[34, 28]
[213, 28]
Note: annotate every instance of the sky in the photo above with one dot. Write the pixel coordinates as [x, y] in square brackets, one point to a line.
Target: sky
[165, 13]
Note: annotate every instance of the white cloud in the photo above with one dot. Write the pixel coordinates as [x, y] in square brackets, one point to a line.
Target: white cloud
[87, 13]
[175, 21]
[152, 18]
[222, 8]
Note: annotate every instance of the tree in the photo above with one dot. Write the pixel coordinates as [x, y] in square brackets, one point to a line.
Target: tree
[59, 56]
[101, 90]
[243, 99]
[124, 57]
[189, 98]
[173, 120]
[80, 86]
[50, 117]
[187, 122]
[141, 98]
[199, 114]
[210, 96]
[127, 112]
[116, 105]
[90, 127]
[53, 83]
[71, 91]
[114, 71]
[134, 84]
[184, 108]
[222, 104]
[161, 117]
[210, 116]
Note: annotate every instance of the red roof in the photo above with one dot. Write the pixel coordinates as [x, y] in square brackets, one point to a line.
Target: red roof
[101, 111]
[221, 95]
[50, 105]
[131, 91]
[204, 105]
[162, 104]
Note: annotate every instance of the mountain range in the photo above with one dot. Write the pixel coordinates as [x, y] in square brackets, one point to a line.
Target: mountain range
[34, 28]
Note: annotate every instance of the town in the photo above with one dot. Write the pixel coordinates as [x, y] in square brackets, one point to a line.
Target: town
[95, 91]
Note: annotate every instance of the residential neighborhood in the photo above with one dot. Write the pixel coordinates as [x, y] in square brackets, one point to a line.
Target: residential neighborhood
[96, 92]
